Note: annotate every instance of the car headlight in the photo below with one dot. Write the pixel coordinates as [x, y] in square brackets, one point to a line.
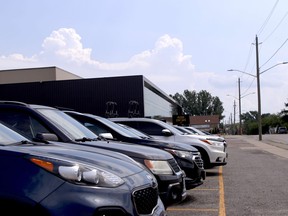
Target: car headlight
[215, 142]
[206, 141]
[158, 167]
[181, 154]
[78, 173]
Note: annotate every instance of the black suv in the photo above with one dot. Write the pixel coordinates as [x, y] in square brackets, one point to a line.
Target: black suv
[41, 123]
[45, 179]
[188, 157]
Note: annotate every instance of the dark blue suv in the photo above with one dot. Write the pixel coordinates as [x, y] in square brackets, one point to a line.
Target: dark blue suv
[49, 180]
[41, 123]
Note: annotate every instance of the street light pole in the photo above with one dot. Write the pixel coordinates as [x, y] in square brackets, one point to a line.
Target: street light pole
[234, 125]
[240, 123]
[258, 92]
[258, 86]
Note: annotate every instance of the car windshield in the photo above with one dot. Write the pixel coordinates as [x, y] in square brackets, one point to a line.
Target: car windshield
[171, 128]
[184, 130]
[195, 130]
[68, 124]
[8, 136]
[137, 132]
[116, 127]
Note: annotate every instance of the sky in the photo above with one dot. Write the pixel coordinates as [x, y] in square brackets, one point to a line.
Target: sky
[177, 45]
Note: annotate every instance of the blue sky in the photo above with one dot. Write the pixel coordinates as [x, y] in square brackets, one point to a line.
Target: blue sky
[177, 45]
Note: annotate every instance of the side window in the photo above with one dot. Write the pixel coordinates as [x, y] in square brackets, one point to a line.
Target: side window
[37, 127]
[22, 123]
[150, 128]
[95, 128]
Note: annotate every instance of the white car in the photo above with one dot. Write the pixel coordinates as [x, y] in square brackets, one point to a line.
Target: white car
[213, 153]
[196, 132]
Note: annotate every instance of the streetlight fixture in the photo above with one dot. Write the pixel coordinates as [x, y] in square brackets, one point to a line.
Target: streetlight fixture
[258, 91]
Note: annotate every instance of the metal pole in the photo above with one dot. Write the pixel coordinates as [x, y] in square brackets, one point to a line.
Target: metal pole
[240, 123]
[258, 91]
[234, 125]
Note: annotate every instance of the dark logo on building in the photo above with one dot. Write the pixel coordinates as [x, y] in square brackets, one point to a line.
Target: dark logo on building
[181, 120]
[111, 109]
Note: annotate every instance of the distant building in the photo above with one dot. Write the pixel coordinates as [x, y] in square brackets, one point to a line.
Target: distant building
[35, 75]
[207, 123]
[108, 96]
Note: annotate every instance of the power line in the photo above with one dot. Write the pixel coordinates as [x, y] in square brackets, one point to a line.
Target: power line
[276, 27]
[273, 31]
[246, 90]
[267, 19]
[249, 57]
[275, 53]
[260, 30]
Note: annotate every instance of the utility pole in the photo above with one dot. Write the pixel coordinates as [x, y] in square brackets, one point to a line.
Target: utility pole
[258, 91]
[258, 86]
[240, 123]
[234, 126]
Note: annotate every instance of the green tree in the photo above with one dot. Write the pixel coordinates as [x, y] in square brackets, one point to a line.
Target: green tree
[250, 125]
[202, 103]
[284, 113]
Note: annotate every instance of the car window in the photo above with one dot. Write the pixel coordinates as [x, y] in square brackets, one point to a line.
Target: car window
[150, 128]
[23, 123]
[71, 126]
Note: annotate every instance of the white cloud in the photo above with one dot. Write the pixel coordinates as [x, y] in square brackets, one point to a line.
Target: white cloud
[165, 65]
[66, 45]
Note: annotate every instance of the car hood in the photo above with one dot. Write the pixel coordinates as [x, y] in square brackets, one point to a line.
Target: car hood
[155, 142]
[176, 145]
[112, 164]
[132, 150]
[207, 137]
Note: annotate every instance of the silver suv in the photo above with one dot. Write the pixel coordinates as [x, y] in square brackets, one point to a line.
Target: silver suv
[213, 153]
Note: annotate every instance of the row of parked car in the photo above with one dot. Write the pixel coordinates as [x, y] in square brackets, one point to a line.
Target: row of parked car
[63, 162]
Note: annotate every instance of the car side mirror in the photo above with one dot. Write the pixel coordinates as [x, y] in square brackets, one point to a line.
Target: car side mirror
[167, 132]
[106, 135]
[46, 137]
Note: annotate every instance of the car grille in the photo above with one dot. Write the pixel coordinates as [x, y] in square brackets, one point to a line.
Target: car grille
[174, 165]
[198, 160]
[145, 200]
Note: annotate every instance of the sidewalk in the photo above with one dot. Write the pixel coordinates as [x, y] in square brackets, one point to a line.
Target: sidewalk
[270, 143]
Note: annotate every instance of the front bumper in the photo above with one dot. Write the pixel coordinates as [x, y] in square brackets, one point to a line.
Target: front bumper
[194, 170]
[218, 155]
[172, 189]
[127, 199]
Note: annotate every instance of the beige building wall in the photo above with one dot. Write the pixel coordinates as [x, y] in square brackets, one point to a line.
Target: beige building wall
[35, 75]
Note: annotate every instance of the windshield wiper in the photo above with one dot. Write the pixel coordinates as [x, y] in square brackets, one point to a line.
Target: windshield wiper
[23, 142]
[85, 139]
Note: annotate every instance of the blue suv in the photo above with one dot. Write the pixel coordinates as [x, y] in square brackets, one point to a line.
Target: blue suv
[49, 180]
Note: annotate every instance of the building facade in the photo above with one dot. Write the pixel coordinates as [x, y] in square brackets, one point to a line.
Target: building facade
[108, 97]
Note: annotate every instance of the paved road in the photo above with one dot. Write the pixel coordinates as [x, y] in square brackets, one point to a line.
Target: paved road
[254, 182]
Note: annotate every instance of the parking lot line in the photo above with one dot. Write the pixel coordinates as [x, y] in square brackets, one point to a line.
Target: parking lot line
[205, 189]
[222, 210]
[192, 209]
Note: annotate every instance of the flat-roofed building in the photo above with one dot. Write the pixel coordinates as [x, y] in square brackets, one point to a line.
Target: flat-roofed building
[108, 96]
[35, 75]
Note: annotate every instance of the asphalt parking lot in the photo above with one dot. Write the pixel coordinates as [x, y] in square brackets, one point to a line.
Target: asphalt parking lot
[207, 199]
[252, 183]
